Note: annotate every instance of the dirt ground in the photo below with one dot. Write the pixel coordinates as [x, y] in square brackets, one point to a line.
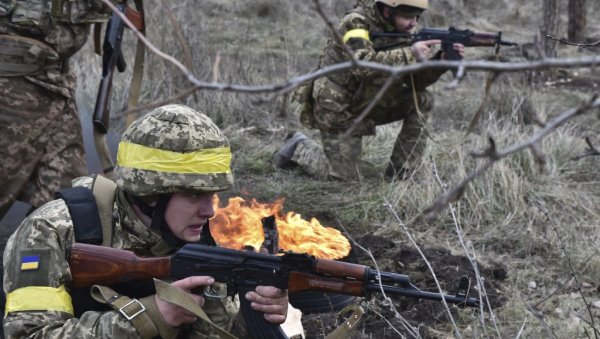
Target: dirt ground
[380, 321]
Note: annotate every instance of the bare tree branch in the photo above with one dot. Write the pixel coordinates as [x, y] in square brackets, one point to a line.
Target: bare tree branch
[389, 81]
[566, 42]
[493, 155]
[589, 152]
[336, 35]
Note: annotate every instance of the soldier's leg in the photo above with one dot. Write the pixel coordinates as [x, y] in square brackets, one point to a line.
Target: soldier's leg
[412, 139]
[63, 160]
[343, 154]
[336, 159]
[24, 118]
[311, 159]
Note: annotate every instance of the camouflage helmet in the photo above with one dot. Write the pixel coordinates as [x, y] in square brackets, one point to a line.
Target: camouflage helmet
[173, 149]
[422, 4]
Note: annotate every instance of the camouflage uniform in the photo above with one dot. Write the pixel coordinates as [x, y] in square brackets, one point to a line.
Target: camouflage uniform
[48, 231]
[337, 99]
[41, 144]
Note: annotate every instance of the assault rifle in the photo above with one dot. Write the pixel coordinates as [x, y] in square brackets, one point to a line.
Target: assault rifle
[448, 37]
[112, 57]
[242, 271]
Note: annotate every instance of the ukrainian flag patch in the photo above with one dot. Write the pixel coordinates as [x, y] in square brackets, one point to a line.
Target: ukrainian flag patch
[30, 262]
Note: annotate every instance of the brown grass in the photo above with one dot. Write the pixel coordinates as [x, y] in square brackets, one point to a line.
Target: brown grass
[269, 41]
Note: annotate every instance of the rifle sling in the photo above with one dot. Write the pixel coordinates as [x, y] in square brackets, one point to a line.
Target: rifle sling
[132, 309]
[176, 296]
[344, 330]
[138, 66]
[104, 191]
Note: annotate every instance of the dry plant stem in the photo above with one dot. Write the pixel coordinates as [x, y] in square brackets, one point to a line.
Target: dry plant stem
[493, 155]
[521, 329]
[437, 283]
[391, 325]
[540, 317]
[589, 152]
[215, 69]
[471, 256]
[542, 209]
[407, 326]
[566, 42]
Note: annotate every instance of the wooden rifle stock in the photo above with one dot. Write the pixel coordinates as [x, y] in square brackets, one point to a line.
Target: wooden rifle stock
[300, 282]
[91, 265]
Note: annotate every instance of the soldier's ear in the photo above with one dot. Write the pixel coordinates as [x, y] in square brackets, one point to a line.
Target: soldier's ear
[386, 12]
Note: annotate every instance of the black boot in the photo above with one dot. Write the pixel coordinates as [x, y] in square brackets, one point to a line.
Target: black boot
[282, 158]
[393, 173]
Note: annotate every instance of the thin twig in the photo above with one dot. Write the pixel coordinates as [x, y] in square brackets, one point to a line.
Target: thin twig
[473, 261]
[563, 247]
[566, 42]
[414, 243]
[388, 83]
[589, 152]
[409, 328]
[336, 35]
[493, 155]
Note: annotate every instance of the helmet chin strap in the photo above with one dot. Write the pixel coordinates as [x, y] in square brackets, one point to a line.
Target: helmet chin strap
[157, 215]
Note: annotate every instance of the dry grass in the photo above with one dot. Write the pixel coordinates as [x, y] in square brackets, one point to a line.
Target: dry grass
[499, 216]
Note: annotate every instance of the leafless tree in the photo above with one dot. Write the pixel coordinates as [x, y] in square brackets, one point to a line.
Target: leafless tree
[550, 26]
[577, 20]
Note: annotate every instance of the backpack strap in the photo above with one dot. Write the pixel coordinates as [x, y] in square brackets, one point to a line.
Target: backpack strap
[84, 213]
[104, 191]
[91, 210]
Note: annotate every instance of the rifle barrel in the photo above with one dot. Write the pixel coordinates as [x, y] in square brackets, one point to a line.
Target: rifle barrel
[419, 294]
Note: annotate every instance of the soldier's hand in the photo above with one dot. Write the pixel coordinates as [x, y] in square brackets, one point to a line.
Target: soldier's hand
[176, 316]
[270, 300]
[422, 49]
[459, 48]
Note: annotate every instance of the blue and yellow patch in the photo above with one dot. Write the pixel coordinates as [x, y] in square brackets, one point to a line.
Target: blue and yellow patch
[30, 262]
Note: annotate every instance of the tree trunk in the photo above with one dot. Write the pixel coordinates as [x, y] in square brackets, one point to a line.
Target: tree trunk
[577, 20]
[551, 26]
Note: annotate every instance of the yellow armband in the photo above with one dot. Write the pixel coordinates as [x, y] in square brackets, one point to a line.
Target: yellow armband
[39, 298]
[358, 33]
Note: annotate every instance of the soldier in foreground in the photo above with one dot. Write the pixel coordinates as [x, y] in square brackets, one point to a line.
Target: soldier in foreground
[332, 103]
[169, 165]
[41, 145]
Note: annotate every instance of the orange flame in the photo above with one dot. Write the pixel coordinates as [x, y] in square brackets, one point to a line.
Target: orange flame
[239, 224]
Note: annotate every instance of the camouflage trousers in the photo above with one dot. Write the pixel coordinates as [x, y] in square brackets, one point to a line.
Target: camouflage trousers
[338, 157]
[41, 144]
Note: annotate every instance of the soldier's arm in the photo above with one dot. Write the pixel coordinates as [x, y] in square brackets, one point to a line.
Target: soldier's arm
[36, 281]
[426, 77]
[354, 30]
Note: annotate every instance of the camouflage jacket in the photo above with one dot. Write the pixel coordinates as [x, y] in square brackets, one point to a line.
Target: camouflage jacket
[61, 25]
[39, 304]
[342, 92]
